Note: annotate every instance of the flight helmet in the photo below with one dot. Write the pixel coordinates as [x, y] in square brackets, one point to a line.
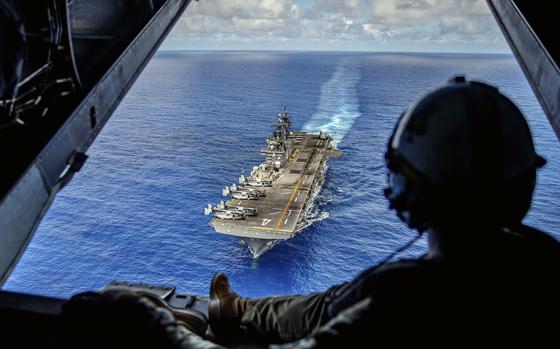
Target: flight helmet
[461, 155]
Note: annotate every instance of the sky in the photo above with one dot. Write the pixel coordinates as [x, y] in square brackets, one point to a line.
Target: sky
[338, 25]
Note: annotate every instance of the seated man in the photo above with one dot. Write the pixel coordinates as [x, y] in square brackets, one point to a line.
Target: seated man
[461, 168]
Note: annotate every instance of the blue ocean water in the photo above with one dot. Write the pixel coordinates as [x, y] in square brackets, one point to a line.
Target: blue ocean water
[195, 120]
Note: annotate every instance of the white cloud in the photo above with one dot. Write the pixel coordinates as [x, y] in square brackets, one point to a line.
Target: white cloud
[438, 20]
[217, 16]
[411, 12]
[363, 23]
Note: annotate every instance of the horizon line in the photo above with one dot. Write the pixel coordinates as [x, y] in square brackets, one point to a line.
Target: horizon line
[335, 51]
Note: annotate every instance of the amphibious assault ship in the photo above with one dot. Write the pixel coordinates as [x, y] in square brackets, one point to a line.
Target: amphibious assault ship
[271, 204]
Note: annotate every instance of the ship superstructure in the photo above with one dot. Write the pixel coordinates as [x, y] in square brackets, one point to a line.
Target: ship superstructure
[271, 204]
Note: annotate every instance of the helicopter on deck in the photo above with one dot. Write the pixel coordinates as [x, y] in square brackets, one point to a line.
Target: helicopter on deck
[222, 213]
[230, 212]
[254, 182]
[243, 192]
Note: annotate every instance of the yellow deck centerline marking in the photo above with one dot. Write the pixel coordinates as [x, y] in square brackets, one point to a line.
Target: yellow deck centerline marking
[289, 202]
[274, 229]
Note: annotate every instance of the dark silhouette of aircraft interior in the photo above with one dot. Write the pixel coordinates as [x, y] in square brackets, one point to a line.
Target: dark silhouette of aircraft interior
[66, 65]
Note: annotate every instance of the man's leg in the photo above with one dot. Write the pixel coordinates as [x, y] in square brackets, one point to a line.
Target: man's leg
[288, 318]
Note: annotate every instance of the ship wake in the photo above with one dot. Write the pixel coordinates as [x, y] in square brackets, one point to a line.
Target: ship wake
[339, 105]
[314, 212]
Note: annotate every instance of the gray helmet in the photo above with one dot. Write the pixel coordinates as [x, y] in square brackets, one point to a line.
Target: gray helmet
[463, 151]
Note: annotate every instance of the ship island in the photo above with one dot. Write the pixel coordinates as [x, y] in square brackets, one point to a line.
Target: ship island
[272, 204]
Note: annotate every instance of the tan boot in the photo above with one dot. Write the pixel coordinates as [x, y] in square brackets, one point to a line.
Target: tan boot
[225, 308]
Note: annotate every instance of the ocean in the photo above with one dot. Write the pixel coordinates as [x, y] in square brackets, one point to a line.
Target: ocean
[195, 121]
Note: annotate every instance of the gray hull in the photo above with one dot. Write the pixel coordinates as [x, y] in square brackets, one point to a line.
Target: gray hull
[258, 247]
[282, 212]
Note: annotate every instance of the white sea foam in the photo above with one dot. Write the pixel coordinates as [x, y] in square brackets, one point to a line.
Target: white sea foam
[313, 217]
[338, 105]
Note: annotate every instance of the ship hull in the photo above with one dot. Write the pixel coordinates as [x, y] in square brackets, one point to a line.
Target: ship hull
[284, 210]
[258, 247]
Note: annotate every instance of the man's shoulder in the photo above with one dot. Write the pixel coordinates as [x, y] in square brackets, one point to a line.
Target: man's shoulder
[521, 253]
[523, 247]
[404, 271]
[535, 239]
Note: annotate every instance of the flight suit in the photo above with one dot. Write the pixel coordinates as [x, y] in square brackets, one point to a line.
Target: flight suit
[289, 318]
[512, 276]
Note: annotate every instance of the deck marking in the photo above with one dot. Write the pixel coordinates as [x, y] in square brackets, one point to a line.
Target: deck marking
[286, 221]
[290, 213]
[273, 229]
[289, 202]
[265, 221]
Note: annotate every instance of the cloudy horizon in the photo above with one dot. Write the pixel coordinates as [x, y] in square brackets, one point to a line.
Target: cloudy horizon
[338, 25]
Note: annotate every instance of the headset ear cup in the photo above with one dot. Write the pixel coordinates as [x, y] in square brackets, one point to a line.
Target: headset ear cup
[403, 195]
[408, 200]
[417, 206]
[398, 202]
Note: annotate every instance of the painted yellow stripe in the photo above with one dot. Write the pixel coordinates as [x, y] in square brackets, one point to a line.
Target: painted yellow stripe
[289, 202]
[273, 229]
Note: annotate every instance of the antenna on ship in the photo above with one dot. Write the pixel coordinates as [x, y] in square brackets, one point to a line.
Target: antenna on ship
[286, 118]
